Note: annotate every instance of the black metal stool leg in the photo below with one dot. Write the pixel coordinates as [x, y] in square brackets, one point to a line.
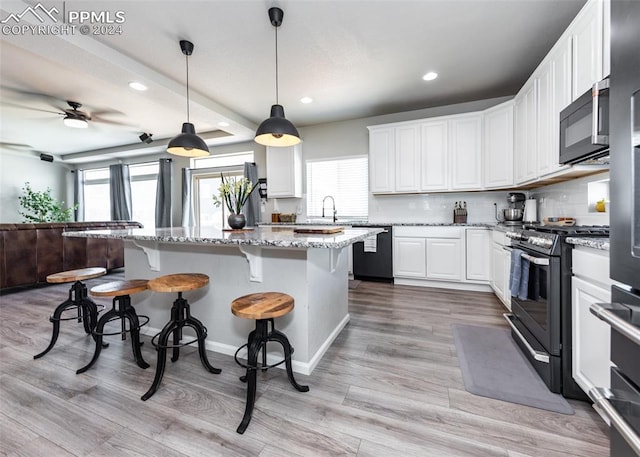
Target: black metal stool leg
[201, 334]
[161, 362]
[134, 325]
[98, 338]
[252, 359]
[55, 320]
[284, 341]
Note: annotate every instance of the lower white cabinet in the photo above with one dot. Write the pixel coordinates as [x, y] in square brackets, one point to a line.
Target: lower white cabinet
[437, 257]
[500, 267]
[590, 336]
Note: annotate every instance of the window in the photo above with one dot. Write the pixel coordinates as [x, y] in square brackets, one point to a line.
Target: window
[346, 180]
[206, 180]
[97, 201]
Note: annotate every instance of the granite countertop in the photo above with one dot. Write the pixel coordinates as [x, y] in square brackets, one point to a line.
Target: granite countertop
[595, 243]
[352, 223]
[282, 237]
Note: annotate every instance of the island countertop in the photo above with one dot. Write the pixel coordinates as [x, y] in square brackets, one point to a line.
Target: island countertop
[266, 236]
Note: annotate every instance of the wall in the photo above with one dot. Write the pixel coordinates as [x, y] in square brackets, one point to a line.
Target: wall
[18, 168]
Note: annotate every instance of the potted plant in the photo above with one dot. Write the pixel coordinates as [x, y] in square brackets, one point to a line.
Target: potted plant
[40, 206]
[234, 192]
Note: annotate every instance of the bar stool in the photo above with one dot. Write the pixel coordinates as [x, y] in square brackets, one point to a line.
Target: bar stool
[78, 299]
[180, 317]
[121, 309]
[263, 308]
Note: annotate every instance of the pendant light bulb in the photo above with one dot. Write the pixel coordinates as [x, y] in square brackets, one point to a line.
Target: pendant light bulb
[277, 130]
[187, 143]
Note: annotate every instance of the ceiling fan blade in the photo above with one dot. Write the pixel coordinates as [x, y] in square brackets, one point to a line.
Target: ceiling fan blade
[30, 94]
[111, 122]
[19, 146]
[15, 105]
[105, 112]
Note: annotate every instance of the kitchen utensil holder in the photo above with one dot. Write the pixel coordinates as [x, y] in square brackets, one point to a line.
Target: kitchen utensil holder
[459, 218]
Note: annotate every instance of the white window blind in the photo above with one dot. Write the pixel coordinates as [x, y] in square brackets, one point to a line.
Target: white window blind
[346, 180]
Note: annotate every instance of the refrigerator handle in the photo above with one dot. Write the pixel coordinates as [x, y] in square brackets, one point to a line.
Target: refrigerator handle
[601, 311]
[600, 397]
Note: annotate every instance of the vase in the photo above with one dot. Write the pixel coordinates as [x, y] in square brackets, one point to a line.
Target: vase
[236, 221]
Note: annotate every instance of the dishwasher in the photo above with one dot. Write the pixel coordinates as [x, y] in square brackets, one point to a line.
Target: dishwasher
[373, 258]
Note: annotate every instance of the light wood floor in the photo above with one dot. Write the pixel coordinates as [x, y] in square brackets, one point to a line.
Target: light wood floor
[389, 386]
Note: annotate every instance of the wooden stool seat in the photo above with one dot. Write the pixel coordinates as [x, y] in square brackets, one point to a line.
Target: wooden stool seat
[121, 310]
[117, 288]
[264, 305]
[180, 282]
[180, 317]
[76, 275]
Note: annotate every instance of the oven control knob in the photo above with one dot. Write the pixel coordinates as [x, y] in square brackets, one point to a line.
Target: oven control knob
[514, 235]
[539, 241]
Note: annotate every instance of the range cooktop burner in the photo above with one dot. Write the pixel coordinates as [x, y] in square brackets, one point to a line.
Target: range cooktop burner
[602, 230]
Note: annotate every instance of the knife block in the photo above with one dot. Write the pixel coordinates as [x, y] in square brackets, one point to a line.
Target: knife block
[460, 216]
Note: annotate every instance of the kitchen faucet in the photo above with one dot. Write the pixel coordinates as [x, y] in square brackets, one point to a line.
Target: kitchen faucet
[334, 207]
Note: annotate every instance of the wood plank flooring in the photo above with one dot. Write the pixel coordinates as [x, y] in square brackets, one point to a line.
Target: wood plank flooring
[390, 385]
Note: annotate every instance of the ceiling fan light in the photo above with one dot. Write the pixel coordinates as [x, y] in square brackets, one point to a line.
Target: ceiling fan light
[75, 122]
[188, 144]
[277, 130]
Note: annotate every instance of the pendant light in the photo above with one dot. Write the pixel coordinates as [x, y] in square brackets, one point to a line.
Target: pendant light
[187, 144]
[277, 130]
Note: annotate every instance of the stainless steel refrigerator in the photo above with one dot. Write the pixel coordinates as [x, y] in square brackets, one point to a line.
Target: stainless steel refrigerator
[621, 404]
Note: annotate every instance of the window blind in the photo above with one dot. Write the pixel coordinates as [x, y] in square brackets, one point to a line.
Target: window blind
[346, 180]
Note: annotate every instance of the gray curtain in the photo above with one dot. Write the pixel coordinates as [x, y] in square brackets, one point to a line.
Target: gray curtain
[188, 218]
[163, 194]
[252, 208]
[120, 188]
[78, 194]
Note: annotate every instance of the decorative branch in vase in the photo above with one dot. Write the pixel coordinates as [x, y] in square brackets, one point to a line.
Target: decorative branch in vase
[234, 193]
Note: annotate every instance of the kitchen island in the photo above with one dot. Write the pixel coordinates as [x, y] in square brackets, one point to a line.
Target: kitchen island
[312, 268]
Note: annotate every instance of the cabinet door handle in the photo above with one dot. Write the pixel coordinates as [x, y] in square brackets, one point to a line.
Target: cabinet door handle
[601, 311]
[601, 403]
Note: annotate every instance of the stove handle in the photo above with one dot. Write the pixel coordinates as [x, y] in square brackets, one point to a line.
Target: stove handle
[600, 397]
[535, 260]
[538, 355]
[602, 311]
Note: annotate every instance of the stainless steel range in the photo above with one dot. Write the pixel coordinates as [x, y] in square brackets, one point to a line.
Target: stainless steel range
[541, 300]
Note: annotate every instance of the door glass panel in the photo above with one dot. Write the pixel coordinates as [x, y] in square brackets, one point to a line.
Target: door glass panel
[536, 302]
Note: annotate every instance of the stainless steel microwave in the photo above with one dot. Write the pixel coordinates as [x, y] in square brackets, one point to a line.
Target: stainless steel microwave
[584, 126]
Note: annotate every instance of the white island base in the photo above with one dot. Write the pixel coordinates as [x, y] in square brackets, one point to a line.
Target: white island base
[316, 278]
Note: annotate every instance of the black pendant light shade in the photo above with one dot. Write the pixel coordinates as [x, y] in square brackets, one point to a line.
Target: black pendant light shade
[187, 144]
[277, 130]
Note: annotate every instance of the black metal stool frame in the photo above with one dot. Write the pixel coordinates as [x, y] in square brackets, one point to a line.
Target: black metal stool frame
[180, 317]
[258, 340]
[121, 309]
[87, 313]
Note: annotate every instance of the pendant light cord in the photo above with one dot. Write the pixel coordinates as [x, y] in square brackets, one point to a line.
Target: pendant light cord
[187, 63]
[277, 102]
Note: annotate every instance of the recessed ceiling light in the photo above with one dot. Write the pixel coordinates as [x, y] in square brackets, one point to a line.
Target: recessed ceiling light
[135, 85]
[306, 100]
[430, 76]
[223, 124]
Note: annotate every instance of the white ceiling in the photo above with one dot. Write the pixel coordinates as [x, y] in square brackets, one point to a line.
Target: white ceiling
[355, 58]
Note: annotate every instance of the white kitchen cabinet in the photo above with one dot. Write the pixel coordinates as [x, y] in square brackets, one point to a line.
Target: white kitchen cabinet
[587, 37]
[498, 146]
[382, 159]
[434, 156]
[409, 257]
[590, 336]
[407, 153]
[445, 259]
[466, 151]
[478, 254]
[284, 171]
[554, 94]
[500, 267]
[526, 128]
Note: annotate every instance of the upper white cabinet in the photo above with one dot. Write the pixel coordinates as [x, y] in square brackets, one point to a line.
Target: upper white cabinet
[407, 146]
[466, 152]
[434, 156]
[526, 125]
[587, 37]
[284, 171]
[382, 159]
[498, 146]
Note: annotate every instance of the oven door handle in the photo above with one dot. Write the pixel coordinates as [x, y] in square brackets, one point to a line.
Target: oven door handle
[535, 260]
[600, 397]
[539, 356]
[630, 331]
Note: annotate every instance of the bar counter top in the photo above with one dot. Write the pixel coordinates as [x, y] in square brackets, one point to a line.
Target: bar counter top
[266, 236]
